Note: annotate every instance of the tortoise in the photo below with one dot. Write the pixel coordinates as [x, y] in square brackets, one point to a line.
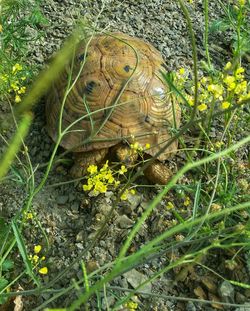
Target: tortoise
[120, 98]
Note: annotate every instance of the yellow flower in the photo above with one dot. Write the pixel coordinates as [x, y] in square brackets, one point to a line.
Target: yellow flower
[35, 258]
[87, 187]
[4, 77]
[117, 183]
[43, 270]
[239, 70]
[242, 2]
[17, 99]
[204, 80]
[228, 66]
[244, 97]
[170, 205]
[132, 191]
[190, 100]
[109, 177]
[100, 187]
[122, 170]
[241, 87]
[134, 146]
[124, 196]
[29, 215]
[105, 166]
[14, 86]
[216, 89]
[16, 67]
[218, 144]
[230, 82]
[202, 107]
[22, 90]
[92, 169]
[182, 71]
[131, 306]
[37, 249]
[225, 105]
[147, 146]
[187, 201]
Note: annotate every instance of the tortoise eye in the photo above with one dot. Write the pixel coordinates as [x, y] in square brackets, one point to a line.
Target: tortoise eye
[81, 57]
[89, 87]
[126, 68]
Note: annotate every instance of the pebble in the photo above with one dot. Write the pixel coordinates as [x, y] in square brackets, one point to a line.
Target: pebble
[226, 291]
[124, 222]
[62, 199]
[190, 306]
[135, 278]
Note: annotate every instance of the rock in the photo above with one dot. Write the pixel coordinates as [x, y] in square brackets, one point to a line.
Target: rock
[135, 278]
[107, 302]
[190, 306]
[239, 298]
[124, 222]
[80, 236]
[226, 291]
[134, 200]
[209, 283]
[75, 206]
[62, 199]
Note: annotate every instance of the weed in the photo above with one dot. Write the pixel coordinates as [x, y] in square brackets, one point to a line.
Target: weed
[210, 211]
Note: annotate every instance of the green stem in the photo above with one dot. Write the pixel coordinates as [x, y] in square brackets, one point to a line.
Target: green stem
[206, 33]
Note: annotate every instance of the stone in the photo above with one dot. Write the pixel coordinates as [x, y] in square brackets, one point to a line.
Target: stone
[124, 222]
[135, 278]
[226, 291]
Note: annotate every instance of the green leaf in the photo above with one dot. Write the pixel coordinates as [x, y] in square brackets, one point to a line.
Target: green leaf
[219, 25]
[7, 265]
[23, 252]
[3, 283]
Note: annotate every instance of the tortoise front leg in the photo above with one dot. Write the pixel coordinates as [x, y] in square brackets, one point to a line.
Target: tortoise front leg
[158, 173]
[84, 159]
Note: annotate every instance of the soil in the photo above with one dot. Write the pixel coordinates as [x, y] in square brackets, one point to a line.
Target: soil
[70, 218]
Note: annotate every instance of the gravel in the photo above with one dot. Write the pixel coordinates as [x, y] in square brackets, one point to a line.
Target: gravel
[69, 217]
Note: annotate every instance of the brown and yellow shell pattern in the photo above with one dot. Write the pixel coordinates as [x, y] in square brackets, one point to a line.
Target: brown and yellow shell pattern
[120, 95]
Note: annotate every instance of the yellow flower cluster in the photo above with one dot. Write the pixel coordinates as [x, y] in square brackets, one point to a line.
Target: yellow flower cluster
[14, 81]
[169, 205]
[100, 180]
[242, 2]
[131, 306]
[229, 87]
[126, 193]
[187, 201]
[28, 215]
[35, 259]
[136, 147]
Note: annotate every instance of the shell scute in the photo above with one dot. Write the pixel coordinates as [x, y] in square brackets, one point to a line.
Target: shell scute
[119, 94]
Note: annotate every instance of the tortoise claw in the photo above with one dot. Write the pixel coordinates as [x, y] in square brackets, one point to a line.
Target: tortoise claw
[158, 173]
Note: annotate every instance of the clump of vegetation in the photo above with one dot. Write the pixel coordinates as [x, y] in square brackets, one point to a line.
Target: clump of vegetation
[20, 25]
[210, 210]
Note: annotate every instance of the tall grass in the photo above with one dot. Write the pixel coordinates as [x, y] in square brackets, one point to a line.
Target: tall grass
[210, 162]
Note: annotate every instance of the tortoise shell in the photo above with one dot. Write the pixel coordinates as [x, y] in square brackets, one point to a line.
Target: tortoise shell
[119, 95]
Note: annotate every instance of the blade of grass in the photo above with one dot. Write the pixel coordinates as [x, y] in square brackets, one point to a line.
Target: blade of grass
[15, 144]
[23, 252]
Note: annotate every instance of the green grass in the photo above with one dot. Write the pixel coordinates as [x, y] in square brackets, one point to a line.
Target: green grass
[211, 210]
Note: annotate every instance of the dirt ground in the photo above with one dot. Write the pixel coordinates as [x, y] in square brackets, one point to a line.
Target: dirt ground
[69, 216]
